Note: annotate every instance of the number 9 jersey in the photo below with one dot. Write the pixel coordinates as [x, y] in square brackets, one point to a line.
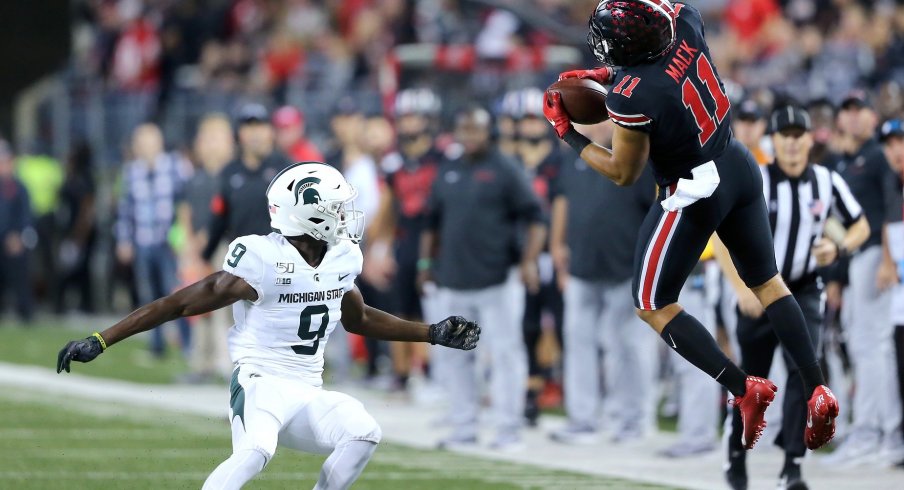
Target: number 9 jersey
[678, 100]
[284, 332]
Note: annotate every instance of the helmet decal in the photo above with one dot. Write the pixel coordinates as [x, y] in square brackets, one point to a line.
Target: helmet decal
[303, 189]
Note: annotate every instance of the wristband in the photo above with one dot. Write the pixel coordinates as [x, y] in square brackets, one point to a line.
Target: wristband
[841, 251]
[575, 140]
[424, 264]
[103, 343]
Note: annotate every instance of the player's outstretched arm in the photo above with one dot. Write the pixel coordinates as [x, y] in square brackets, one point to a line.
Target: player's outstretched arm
[213, 292]
[358, 318]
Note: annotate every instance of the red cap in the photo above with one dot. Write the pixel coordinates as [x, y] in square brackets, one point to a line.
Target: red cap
[287, 116]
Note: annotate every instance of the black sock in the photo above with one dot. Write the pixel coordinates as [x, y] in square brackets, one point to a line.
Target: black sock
[792, 467]
[791, 329]
[690, 339]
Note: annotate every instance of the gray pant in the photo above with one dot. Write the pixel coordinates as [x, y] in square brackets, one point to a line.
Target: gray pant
[869, 333]
[698, 395]
[599, 316]
[499, 310]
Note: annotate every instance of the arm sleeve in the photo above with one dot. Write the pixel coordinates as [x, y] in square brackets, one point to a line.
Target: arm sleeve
[434, 205]
[894, 200]
[216, 227]
[522, 201]
[22, 212]
[844, 206]
[244, 261]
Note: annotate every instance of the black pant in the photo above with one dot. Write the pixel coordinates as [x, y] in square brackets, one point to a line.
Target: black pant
[669, 244]
[758, 342]
[548, 298]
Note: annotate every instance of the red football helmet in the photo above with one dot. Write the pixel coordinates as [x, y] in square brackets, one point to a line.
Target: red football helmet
[631, 32]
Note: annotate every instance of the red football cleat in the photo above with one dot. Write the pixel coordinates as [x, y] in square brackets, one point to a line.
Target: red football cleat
[822, 409]
[760, 393]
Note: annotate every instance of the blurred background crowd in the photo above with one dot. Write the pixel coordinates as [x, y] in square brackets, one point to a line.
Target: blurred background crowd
[152, 147]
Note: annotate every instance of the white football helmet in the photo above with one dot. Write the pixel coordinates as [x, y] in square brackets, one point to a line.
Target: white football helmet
[313, 198]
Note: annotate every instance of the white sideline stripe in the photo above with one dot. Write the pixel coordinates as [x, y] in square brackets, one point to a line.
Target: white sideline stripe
[408, 424]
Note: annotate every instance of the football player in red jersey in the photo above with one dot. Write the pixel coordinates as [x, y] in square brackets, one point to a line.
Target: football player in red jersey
[670, 107]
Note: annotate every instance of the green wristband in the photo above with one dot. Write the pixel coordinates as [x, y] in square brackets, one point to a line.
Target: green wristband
[103, 343]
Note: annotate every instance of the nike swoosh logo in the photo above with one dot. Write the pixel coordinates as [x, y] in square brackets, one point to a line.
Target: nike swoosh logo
[341, 277]
[674, 345]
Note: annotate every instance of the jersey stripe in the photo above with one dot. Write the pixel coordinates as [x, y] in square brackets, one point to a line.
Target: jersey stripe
[628, 120]
[654, 257]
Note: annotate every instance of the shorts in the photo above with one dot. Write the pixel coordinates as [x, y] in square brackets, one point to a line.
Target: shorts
[670, 243]
[266, 410]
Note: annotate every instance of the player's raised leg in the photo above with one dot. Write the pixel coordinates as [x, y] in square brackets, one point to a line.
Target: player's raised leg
[669, 247]
[747, 235]
[337, 424]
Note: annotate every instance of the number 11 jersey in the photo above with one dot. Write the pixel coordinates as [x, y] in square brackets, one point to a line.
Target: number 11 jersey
[678, 100]
[285, 331]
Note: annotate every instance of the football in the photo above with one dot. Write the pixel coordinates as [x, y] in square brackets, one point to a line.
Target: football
[584, 100]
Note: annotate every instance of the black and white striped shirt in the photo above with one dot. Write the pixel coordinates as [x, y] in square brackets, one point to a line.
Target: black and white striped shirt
[798, 209]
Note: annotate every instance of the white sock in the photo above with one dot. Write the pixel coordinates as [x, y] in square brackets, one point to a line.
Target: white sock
[241, 467]
[344, 465]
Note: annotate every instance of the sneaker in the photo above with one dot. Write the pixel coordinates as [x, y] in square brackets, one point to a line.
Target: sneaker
[736, 470]
[575, 434]
[628, 433]
[891, 453]
[687, 449]
[531, 408]
[791, 478]
[856, 449]
[822, 409]
[454, 442]
[753, 404]
[507, 442]
[791, 483]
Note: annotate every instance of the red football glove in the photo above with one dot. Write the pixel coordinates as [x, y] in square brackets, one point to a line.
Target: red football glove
[602, 75]
[555, 113]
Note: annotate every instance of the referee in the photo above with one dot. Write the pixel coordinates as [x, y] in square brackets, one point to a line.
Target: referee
[800, 197]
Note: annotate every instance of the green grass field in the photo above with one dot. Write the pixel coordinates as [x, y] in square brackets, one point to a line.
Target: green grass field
[129, 361]
[78, 444]
[84, 444]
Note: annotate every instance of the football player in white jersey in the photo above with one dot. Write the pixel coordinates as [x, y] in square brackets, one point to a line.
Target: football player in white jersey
[288, 290]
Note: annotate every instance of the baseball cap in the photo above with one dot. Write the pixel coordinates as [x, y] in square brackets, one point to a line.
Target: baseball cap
[346, 106]
[252, 113]
[856, 98]
[287, 116]
[789, 117]
[749, 110]
[890, 129]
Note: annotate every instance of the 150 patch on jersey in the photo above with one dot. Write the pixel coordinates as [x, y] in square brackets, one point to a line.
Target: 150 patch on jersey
[285, 267]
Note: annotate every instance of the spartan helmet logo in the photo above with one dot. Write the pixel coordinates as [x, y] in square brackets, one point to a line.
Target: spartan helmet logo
[304, 190]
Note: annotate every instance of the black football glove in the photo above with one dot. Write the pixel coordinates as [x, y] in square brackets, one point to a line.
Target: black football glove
[84, 350]
[455, 332]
